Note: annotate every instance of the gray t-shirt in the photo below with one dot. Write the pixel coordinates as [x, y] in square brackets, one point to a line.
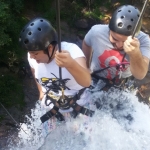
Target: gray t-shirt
[104, 54]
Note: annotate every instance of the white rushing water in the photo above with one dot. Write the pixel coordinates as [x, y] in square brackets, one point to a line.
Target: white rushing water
[121, 123]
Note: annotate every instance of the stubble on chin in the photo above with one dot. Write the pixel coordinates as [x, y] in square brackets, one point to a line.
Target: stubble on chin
[116, 48]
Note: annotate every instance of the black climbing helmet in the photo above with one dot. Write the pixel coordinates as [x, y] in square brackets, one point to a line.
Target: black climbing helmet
[124, 20]
[37, 35]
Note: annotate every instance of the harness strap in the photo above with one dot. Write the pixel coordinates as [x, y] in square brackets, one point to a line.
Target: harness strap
[116, 82]
[53, 112]
[109, 83]
[80, 109]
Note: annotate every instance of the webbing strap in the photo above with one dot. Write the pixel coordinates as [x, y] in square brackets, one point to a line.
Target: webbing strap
[71, 103]
[80, 109]
[53, 112]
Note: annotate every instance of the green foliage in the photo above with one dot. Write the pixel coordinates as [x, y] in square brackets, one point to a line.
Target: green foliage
[4, 17]
[11, 93]
[95, 13]
[10, 24]
[43, 5]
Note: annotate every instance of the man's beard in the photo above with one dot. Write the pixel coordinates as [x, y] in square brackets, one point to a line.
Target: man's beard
[119, 49]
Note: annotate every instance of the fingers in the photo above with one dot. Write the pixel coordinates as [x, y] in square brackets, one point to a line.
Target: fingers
[63, 59]
[59, 63]
[131, 45]
[132, 41]
[61, 55]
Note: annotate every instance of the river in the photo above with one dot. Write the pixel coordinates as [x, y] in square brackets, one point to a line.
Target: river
[121, 123]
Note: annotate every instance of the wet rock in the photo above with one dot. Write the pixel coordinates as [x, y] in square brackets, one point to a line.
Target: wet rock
[129, 117]
[82, 23]
[145, 30]
[86, 23]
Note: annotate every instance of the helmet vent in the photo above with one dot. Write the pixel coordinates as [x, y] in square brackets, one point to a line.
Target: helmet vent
[29, 33]
[120, 24]
[129, 11]
[32, 24]
[129, 27]
[132, 19]
[119, 10]
[39, 29]
[122, 17]
[41, 20]
[26, 41]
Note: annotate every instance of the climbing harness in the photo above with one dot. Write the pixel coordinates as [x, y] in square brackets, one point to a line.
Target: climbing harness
[62, 103]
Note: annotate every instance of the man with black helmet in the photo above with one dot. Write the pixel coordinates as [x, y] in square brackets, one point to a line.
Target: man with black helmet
[105, 46]
[39, 38]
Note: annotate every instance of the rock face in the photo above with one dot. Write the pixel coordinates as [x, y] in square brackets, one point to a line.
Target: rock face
[9, 126]
[86, 23]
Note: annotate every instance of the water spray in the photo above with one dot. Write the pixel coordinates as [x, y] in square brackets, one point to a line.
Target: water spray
[13, 119]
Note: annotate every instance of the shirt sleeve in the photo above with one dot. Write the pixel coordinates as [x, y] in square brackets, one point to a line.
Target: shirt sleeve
[88, 37]
[145, 45]
[74, 50]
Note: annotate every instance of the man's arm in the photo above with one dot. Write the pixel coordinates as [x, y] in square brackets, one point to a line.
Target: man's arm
[80, 72]
[41, 94]
[77, 67]
[138, 63]
[87, 50]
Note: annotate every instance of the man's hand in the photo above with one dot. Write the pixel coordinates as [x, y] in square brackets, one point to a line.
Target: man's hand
[138, 62]
[76, 67]
[131, 46]
[63, 59]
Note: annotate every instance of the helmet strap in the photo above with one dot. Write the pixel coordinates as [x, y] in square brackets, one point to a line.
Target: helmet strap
[47, 52]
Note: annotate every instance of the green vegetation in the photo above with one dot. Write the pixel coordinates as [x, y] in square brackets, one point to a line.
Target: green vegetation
[11, 22]
[11, 91]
